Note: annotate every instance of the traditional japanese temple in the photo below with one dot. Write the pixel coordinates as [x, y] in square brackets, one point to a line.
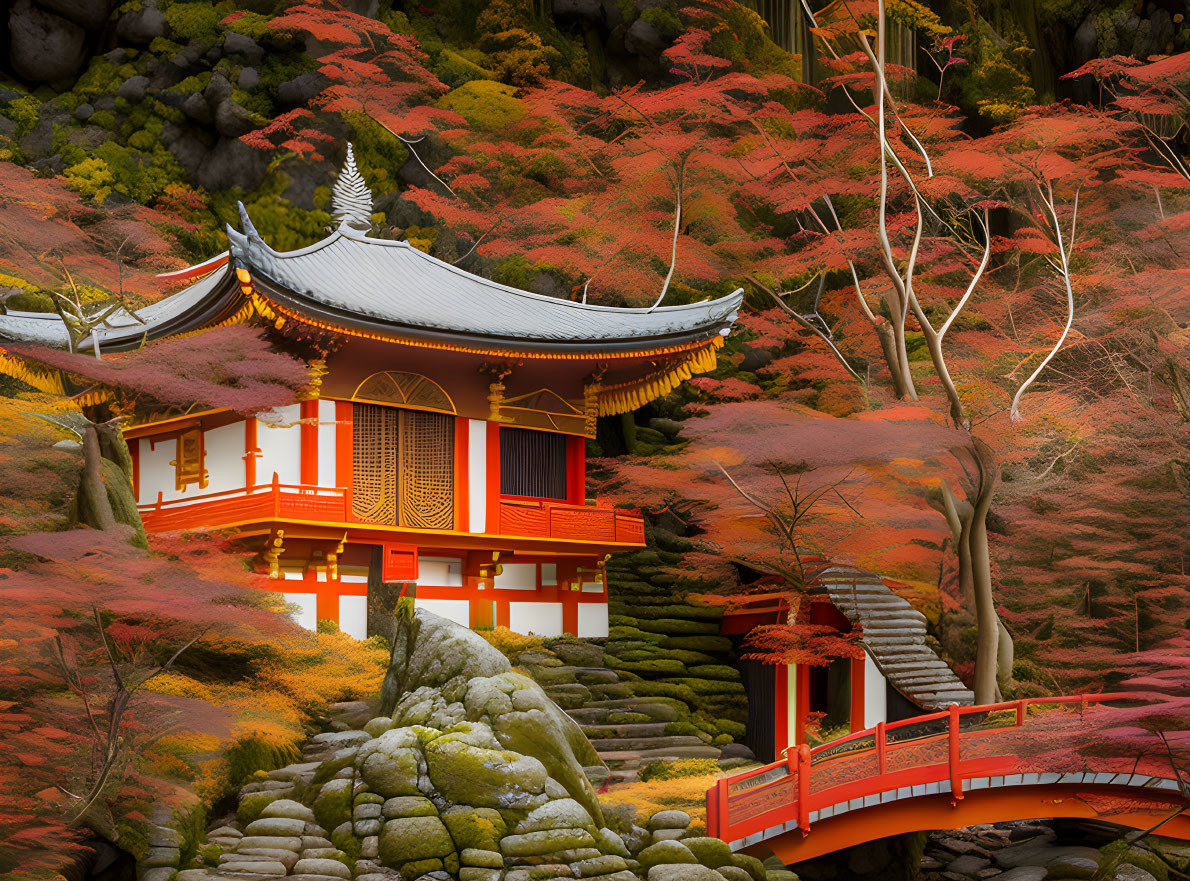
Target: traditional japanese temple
[441, 449]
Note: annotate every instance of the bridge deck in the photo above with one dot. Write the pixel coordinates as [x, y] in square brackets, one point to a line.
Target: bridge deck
[1007, 757]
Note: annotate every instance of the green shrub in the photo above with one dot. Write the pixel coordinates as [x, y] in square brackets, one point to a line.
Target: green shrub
[716, 671]
[91, 179]
[663, 770]
[30, 301]
[487, 105]
[326, 625]
[665, 21]
[734, 730]
[722, 740]
[194, 21]
[455, 70]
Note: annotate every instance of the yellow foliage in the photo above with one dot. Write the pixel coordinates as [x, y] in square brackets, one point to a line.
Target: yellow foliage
[511, 644]
[179, 685]
[687, 794]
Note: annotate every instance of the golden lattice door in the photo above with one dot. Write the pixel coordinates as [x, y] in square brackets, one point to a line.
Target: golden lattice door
[426, 490]
[375, 454]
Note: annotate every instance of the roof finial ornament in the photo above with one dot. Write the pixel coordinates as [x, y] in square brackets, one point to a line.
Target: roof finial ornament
[246, 222]
[351, 200]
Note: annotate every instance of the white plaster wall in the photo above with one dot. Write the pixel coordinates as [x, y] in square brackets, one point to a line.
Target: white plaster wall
[592, 587]
[279, 436]
[326, 443]
[223, 457]
[458, 611]
[307, 614]
[353, 616]
[540, 619]
[790, 705]
[592, 620]
[477, 476]
[440, 572]
[549, 573]
[875, 694]
[156, 474]
[517, 576]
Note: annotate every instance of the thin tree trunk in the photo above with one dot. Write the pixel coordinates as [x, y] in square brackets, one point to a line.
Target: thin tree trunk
[987, 620]
[94, 507]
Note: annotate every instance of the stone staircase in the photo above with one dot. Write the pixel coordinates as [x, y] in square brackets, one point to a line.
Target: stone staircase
[627, 731]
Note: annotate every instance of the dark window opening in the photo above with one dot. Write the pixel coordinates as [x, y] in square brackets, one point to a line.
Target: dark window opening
[532, 463]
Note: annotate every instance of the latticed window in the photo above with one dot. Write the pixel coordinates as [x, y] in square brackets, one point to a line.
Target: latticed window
[404, 467]
[532, 463]
[426, 491]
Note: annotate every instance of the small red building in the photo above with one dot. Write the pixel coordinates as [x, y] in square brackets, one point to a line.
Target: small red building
[899, 675]
[443, 449]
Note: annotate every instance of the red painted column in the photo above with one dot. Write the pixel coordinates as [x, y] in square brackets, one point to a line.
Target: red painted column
[803, 703]
[857, 694]
[569, 600]
[493, 480]
[956, 775]
[344, 452]
[576, 470]
[781, 710]
[309, 432]
[251, 451]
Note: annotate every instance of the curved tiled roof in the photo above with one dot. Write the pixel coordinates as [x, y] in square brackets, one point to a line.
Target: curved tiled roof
[353, 279]
[47, 329]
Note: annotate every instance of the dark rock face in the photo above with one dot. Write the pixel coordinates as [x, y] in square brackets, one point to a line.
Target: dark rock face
[301, 89]
[89, 14]
[133, 88]
[142, 27]
[44, 47]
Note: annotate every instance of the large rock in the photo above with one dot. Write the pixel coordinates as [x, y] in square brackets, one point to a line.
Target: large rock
[683, 873]
[414, 838]
[142, 27]
[393, 764]
[664, 852]
[442, 673]
[466, 773]
[43, 47]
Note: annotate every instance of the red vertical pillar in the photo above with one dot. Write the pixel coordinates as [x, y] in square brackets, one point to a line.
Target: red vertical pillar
[309, 433]
[802, 696]
[569, 600]
[251, 451]
[857, 694]
[781, 710]
[344, 452]
[576, 470]
[134, 455]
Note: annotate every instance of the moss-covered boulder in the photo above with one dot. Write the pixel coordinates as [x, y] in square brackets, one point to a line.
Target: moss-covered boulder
[410, 839]
[393, 764]
[477, 828]
[665, 853]
[467, 773]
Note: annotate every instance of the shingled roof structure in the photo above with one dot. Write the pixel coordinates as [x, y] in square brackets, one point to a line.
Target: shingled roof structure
[894, 633]
[389, 289]
[353, 280]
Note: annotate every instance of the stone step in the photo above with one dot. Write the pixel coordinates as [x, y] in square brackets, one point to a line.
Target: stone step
[641, 743]
[597, 733]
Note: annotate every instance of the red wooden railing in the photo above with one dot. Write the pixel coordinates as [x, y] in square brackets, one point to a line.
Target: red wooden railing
[278, 501]
[274, 500]
[577, 522]
[877, 760]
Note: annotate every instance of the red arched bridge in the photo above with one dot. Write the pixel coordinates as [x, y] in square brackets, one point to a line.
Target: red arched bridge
[968, 765]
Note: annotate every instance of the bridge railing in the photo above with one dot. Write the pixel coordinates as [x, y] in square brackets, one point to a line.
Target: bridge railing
[912, 752]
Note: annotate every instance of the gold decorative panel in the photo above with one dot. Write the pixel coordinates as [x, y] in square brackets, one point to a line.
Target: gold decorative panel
[375, 450]
[404, 389]
[427, 470]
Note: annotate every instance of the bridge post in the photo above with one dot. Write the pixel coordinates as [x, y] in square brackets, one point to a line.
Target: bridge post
[956, 777]
[803, 787]
[881, 746]
[1020, 713]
